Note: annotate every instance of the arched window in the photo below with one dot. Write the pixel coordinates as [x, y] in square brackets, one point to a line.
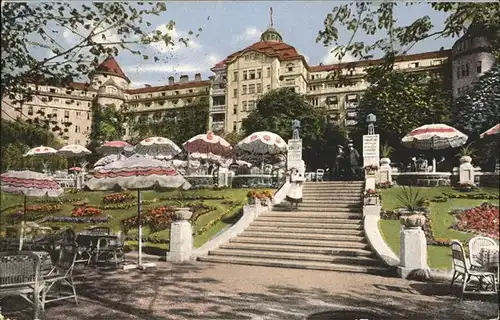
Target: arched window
[111, 90]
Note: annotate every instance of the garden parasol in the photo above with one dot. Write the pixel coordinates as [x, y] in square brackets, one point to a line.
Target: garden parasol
[113, 147]
[73, 151]
[208, 143]
[491, 131]
[106, 160]
[262, 143]
[41, 151]
[29, 184]
[157, 147]
[434, 137]
[139, 173]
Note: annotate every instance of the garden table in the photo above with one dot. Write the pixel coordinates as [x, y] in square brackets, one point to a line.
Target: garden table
[89, 243]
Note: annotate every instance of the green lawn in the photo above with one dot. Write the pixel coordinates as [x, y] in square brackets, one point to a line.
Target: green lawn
[438, 256]
[222, 208]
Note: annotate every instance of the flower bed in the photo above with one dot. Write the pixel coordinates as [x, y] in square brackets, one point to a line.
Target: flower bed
[156, 219]
[384, 185]
[263, 197]
[44, 208]
[483, 220]
[117, 206]
[102, 219]
[191, 198]
[466, 187]
[119, 197]
[86, 212]
[484, 196]
[60, 200]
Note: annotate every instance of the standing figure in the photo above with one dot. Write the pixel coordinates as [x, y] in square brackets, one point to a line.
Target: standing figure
[353, 160]
[294, 195]
[339, 158]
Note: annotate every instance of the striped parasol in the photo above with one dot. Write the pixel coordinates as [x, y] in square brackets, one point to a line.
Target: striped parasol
[208, 143]
[434, 137]
[40, 151]
[29, 183]
[115, 147]
[262, 142]
[140, 173]
[491, 131]
[157, 146]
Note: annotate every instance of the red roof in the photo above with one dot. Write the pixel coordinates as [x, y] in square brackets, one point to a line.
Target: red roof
[79, 85]
[220, 64]
[192, 84]
[362, 63]
[271, 48]
[111, 66]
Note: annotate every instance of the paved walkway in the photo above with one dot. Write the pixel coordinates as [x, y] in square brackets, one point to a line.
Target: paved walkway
[218, 291]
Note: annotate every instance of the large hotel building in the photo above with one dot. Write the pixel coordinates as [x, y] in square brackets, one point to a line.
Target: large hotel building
[237, 84]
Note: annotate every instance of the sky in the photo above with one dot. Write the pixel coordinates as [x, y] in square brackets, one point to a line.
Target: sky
[229, 26]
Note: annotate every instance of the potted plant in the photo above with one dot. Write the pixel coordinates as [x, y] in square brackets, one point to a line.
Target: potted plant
[466, 153]
[386, 152]
[371, 197]
[371, 169]
[251, 196]
[412, 215]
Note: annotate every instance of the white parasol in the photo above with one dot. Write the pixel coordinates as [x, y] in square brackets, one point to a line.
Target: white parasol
[40, 151]
[491, 131]
[262, 142]
[105, 160]
[29, 183]
[158, 147]
[138, 173]
[434, 137]
[73, 150]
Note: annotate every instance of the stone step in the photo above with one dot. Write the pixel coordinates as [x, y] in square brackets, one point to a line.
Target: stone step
[302, 236]
[333, 192]
[312, 215]
[334, 183]
[331, 204]
[295, 264]
[333, 201]
[307, 223]
[329, 209]
[356, 260]
[357, 231]
[302, 242]
[298, 249]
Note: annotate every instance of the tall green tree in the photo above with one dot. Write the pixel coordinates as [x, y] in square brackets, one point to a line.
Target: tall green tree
[403, 101]
[397, 39]
[107, 125]
[98, 29]
[275, 112]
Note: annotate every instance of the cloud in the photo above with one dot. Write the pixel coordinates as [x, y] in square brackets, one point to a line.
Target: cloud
[332, 57]
[250, 33]
[177, 44]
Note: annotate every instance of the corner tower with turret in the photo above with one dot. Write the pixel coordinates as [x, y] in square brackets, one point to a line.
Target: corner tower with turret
[110, 82]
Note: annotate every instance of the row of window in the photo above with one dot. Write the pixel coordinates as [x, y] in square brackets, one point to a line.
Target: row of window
[55, 113]
[57, 100]
[161, 103]
[252, 74]
[68, 91]
[250, 89]
[163, 94]
[463, 70]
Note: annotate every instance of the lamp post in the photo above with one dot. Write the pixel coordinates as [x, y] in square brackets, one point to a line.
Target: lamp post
[371, 119]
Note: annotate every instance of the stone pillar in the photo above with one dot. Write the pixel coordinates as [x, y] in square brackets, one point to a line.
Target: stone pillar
[371, 156]
[385, 171]
[223, 180]
[294, 157]
[466, 171]
[413, 251]
[181, 238]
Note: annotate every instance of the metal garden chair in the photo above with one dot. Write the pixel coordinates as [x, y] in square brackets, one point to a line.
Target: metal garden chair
[461, 269]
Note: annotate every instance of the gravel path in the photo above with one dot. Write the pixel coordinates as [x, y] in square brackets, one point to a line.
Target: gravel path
[218, 291]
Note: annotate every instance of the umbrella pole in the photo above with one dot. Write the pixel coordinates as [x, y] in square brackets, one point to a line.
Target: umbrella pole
[25, 205]
[433, 164]
[139, 221]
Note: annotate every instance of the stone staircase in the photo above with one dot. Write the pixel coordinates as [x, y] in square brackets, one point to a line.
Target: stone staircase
[326, 233]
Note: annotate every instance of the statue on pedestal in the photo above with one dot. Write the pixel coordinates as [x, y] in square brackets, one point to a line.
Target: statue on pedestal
[296, 129]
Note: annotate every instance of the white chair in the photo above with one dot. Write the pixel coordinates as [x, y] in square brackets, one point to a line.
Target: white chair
[461, 269]
[320, 173]
[475, 245]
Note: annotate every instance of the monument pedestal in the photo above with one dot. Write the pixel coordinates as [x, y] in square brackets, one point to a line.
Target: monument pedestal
[413, 251]
[294, 158]
[466, 171]
[181, 241]
[371, 155]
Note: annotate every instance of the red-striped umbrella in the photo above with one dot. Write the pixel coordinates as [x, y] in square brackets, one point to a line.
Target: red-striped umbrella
[75, 169]
[262, 142]
[208, 143]
[140, 173]
[29, 183]
[157, 146]
[491, 131]
[113, 147]
[434, 137]
[41, 151]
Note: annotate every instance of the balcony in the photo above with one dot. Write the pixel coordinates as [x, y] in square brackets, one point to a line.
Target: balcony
[351, 105]
[218, 92]
[218, 108]
[218, 125]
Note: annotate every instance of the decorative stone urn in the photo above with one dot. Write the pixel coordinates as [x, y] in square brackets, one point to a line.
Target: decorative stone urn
[413, 221]
[183, 214]
[385, 161]
[465, 159]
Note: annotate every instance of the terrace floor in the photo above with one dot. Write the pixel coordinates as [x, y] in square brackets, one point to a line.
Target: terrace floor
[219, 291]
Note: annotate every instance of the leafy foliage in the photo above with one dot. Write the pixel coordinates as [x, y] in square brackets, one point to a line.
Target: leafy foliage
[178, 125]
[275, 112]
[386, 150]
[380, 18]
[107, 125]
[409, 198]
[467, 150]
[31, 30]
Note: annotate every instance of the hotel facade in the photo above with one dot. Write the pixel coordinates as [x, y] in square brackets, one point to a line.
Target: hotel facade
[238, 83]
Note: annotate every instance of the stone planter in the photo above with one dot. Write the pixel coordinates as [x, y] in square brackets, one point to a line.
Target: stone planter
[413, 221]
[465, 159]
[385, 161]
[183, 214]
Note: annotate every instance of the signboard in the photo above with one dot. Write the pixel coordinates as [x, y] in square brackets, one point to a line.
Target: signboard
[371, 149]
[294, 158]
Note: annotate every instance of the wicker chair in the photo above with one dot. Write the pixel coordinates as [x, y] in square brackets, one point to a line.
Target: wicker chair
[475, 245]
[20, 276]
[108, 248]
[461, 269]
[61, 273]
